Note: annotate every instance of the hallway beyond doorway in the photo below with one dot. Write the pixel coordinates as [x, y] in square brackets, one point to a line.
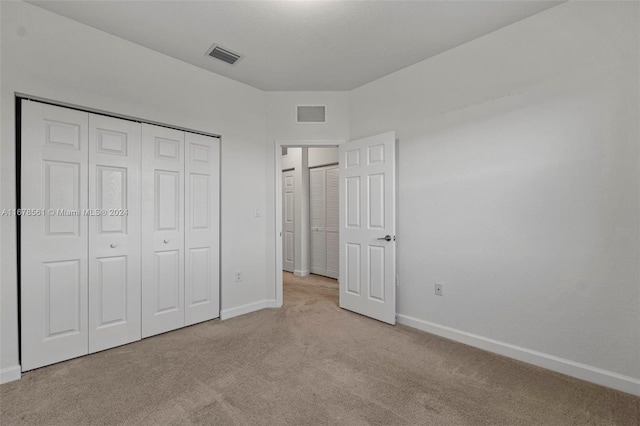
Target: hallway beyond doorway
[320, 288]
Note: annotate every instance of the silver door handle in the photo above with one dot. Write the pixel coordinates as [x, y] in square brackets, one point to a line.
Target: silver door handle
[166, 241]
[113, 245]
[385, 238]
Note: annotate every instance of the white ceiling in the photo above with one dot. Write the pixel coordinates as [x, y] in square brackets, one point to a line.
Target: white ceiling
[300, 45]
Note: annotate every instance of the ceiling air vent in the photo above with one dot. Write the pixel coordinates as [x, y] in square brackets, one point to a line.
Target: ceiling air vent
[311, 114]
[224, 55]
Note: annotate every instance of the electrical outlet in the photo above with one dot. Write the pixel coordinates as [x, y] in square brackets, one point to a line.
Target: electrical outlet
[238, 276]
[438, 289]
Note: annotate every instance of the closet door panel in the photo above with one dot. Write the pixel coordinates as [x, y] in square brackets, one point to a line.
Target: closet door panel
[54, 241]
[114, 232]
[202, 294]
[162, 229]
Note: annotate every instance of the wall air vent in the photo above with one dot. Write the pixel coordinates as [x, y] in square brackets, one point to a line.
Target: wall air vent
[224, 55]
[311, 114]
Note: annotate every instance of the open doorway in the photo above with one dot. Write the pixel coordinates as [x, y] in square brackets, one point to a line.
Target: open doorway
[310, 217]
[367, 227]
[288, 155]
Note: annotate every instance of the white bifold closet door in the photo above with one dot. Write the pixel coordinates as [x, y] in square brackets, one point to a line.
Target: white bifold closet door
[180, 278]
[121, 236]
[80, 273]
[324, 220]
[162, 229]
[201, 237]
[114, 233]
[54, 245]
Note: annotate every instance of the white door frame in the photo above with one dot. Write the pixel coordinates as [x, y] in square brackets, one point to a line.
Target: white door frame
[278, 145]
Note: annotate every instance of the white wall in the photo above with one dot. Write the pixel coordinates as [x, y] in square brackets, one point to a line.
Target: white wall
[519, 189]
[322, 156]
[282, 109]
[49, 56]
[293, 158]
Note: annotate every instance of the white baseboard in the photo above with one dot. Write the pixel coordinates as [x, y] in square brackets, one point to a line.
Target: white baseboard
[272, 303]
[300, 273]
[10, 374]
[570, 368]
[245, 309]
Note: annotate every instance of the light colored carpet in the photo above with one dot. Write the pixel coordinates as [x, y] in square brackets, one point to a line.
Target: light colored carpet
[307, 363]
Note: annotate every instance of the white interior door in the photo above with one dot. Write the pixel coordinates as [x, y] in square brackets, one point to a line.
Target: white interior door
[162, 229]
[54, 283]
[202, 278]
[367, 227]
[323, 219]
[288, 220]
[114, 233]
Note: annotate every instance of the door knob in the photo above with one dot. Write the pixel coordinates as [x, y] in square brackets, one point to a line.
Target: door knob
[385, 238]
[113, 245]
[166, 241]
